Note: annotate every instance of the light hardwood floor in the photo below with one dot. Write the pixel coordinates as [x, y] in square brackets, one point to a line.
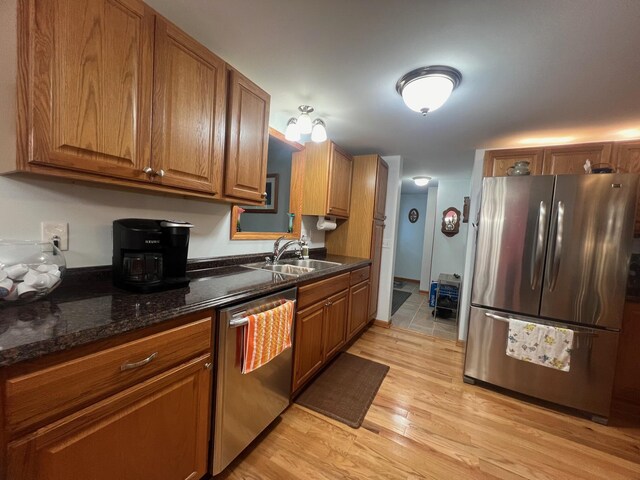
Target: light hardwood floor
[426, 423]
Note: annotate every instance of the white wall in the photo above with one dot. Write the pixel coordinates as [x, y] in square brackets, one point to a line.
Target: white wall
[470, 256]
[90, 210]
[389, 240]
[410, 241]
[449, 252]
[429, 234]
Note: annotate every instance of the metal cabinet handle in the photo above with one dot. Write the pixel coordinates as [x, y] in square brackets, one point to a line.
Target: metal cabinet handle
[538, 245]
[208, 365]
[264, 195]
[141, 363]
[148, 170]
[160, 173]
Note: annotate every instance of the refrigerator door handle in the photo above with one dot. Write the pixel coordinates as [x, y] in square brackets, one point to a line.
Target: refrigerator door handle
[538, 246]
[553, 265]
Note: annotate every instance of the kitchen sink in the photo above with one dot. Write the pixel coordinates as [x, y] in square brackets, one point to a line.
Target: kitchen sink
[313, 264]
[285, 269]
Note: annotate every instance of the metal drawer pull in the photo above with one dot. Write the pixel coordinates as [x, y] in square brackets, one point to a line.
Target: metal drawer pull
[575, 332]
[141, 363]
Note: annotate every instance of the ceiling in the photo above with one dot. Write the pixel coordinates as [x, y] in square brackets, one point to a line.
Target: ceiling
[534, 71]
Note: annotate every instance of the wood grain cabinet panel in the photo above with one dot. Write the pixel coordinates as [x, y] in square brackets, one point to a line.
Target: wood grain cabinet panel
[335, 323]
[188, 112]
[89, 85]
[309, 344]
[339, 196]
[247, 139]
[327, 180]
[570, 160]
[627, 159]
[155, 430]
[376, 260]
[358, 308]
[498, 162]
[382, 176]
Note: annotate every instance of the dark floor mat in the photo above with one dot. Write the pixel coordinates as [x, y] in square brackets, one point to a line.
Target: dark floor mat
[399, 297]
[346, 389]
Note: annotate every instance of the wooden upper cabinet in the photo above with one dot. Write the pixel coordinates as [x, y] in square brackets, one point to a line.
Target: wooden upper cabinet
[382, 176]
[188, 112]
[327, 180]
[626, 158]
[498, 162]
[570, 160]
[247, 139]
[88, 79]
[339, 196]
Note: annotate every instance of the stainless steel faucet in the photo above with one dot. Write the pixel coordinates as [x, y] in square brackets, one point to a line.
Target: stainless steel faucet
[278, 250]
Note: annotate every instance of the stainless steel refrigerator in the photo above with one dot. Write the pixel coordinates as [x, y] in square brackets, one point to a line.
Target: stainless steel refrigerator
[553, 250]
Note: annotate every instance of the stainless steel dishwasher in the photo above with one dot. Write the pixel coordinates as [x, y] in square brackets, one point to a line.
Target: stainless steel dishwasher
[246, 404]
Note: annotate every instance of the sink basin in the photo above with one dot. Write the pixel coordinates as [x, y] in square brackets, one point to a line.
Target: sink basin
[313, 264]
[288, 269]
[285, 269]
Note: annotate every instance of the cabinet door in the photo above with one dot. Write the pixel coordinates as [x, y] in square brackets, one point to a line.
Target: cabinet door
[381, 190]
[376, 258]
[498, 162]
[157, 429]
[358, 308]
[188, 112]
[627, 160]
[91, 66]
[339, 194]
[335, 323]
[570, 160]
[247, 139]
[309, 344]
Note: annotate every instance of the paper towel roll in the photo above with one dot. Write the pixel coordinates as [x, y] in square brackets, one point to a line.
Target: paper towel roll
[326, 223]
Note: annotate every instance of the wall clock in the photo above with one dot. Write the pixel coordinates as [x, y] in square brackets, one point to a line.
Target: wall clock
[413, 215]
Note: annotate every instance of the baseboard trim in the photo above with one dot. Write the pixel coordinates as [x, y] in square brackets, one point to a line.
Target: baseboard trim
[460, 343]
[382, 323]
[410, 280]
[424, 292]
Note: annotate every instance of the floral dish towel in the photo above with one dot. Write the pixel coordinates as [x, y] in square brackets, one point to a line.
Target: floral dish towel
[540, 344]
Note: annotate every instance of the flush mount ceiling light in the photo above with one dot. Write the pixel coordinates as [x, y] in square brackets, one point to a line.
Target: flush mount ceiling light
[426, 89]
[421, 181]
[304, 126]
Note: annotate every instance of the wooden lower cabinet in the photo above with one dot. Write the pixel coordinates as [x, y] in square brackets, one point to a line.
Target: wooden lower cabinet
[336, 318]
[158, 429]
[358, 308]
[309, 343]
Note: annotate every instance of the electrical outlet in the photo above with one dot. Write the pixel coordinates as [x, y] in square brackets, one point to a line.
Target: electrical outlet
[50, 230]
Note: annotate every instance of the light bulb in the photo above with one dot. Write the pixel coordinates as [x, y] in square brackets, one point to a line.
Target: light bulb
[319, 131]
[292, 133]
[304, 123]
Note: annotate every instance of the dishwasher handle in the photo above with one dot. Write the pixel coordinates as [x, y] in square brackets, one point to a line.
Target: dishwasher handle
[240, 319]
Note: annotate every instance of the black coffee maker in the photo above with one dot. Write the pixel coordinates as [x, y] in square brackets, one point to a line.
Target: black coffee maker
[150, 255]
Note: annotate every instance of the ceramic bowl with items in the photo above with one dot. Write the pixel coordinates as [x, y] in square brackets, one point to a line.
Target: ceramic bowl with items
[29, 270]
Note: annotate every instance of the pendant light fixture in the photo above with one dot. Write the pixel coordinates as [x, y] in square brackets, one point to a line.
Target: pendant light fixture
[303, 125]
[426, 89]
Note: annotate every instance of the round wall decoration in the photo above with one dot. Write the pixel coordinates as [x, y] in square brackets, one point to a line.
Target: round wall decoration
[413, 215]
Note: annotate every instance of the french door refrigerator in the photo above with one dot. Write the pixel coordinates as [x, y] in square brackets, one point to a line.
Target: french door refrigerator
[552, 250]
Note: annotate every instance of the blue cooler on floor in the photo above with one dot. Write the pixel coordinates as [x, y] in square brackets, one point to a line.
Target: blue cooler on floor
[432, 294]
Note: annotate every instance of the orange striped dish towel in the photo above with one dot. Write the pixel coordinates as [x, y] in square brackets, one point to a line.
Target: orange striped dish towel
[266, 335]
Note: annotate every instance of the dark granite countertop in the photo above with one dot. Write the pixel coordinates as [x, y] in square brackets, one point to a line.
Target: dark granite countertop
[86, 309]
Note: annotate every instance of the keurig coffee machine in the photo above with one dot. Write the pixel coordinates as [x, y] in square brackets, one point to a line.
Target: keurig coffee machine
[150, 255]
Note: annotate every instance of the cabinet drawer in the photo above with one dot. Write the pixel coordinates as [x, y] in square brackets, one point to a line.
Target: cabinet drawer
[359, 275]
[36, 396]
[314, 292]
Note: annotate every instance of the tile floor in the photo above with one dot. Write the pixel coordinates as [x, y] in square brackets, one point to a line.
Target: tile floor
[415, 314]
